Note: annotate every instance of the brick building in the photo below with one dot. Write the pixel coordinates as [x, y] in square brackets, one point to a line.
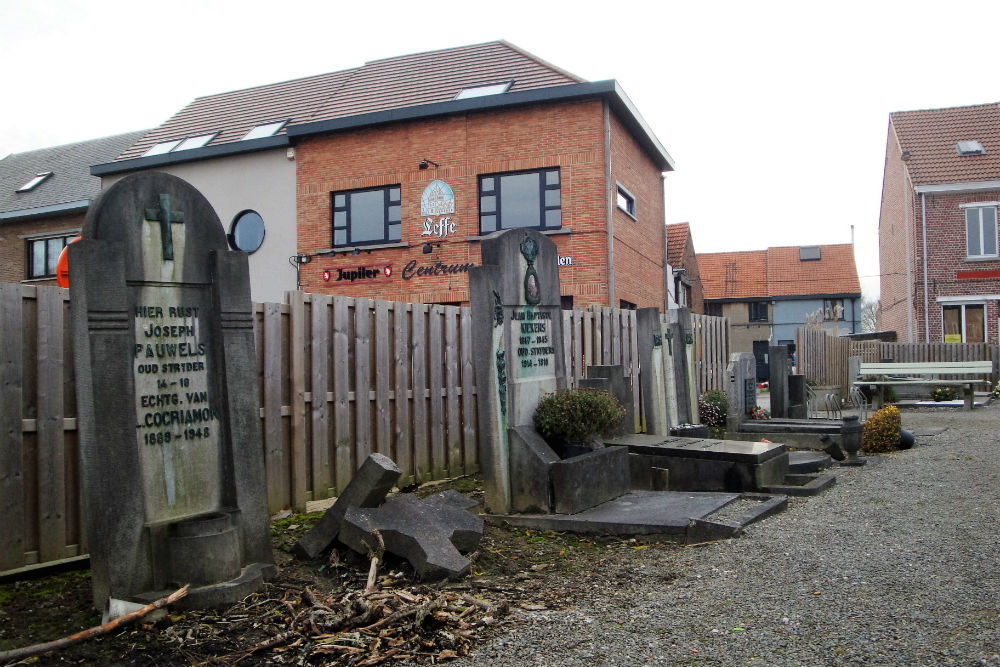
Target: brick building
[687, 289]
[385, 177]
[938, 225]
[768, 294]
[44, 195]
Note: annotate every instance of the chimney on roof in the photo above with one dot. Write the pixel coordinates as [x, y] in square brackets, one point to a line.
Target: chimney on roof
[906, 156]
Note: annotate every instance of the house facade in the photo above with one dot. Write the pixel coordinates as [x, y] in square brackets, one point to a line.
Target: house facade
[44, 195]
[768, 294]
[686, 288]
[940, 268]
[385, 178]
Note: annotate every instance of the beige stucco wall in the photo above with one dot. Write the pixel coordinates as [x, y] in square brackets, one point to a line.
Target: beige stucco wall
[742, 332]
[263, 182]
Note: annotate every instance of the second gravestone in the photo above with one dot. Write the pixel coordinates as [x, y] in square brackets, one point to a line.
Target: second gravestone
[174, 486]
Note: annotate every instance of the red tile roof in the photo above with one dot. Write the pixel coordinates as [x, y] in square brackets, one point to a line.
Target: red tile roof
[390, 83]
[677, 240]
[931, 135]
[778, 272]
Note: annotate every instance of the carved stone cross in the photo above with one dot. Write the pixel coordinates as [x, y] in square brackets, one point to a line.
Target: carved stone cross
[165, 217]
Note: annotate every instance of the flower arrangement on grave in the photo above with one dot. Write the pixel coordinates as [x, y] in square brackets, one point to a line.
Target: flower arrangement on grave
[713, 407]
[944, 394]
[996, 391]
[576, 415]
[760, 413]
[881, 431]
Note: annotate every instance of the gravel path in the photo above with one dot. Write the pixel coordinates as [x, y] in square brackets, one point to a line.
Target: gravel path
[895, 565]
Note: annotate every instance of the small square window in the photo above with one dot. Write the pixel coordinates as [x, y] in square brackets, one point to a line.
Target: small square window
[626, 201]
[970, 148]
[833, 310]
[34, 182]
[757, 311]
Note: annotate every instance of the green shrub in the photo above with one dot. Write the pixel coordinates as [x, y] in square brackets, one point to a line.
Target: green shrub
[713, 407]
[881, 431]
[944, 394]
[575, 415]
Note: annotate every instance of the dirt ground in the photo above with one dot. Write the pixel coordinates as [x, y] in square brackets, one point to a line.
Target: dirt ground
[512, 568]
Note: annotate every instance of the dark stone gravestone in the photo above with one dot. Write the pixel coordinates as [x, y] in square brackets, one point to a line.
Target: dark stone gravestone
[741, 389]
[682, 344]
[780, 363]
[174, 487]
[517, 339]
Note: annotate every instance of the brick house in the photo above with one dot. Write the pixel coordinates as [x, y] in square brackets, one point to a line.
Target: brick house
[44, 195]
[768, 294]
[686, 289]
[389, 174]
[938, 225]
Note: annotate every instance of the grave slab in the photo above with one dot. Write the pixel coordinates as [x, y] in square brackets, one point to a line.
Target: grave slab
[430, 535]
[368, 488]
[589, 479]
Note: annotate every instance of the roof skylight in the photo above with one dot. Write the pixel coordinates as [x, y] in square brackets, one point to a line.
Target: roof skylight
[970, 148]
[265, 130]
[195, 142]
[162, 147]
[33, 183]
[479, 91]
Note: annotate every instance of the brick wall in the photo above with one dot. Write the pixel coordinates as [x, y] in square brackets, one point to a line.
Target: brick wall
[893, 228]
[946, 257]
[567, 135]
[13, 248]
[639, 242]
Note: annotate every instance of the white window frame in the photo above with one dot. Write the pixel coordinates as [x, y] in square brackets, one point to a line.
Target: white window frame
[625, 201]
[979, 206]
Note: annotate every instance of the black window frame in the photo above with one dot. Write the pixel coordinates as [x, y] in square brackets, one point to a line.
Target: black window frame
[830, 310]
[387, 204]
[241, 217]
[754, 309]
[29, 264]
[496, 193]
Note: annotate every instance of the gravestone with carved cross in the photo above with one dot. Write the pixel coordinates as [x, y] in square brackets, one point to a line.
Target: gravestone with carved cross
[174, 487]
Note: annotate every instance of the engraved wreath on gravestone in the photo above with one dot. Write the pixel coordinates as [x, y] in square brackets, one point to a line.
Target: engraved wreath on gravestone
[501, 357]
[532, 288]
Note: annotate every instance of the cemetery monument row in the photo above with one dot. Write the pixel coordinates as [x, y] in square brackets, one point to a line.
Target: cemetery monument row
[172, 464]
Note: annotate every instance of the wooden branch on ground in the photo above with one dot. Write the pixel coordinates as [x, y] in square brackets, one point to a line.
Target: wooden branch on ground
[36, 649]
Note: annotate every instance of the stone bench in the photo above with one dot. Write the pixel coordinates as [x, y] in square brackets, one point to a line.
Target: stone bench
[901, 374]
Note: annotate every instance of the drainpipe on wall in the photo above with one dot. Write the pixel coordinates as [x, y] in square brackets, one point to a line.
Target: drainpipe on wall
[907, 203]
[923, 225]
[667, 273]
[610, 203]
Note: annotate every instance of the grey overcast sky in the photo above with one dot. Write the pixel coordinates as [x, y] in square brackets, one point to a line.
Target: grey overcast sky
[775, 112]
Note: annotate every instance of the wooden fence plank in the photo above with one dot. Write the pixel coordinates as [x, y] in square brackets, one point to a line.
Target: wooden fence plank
[51, 443]
[567, 343]
[12, 543]
[439, 462]
[299, 454]
[319, 412]
[383, 380]
[421, 451]
[454, 437]
[634, 368]
[578, 346]
[606, 336]
[274, 453]
[403, 451]
[588, 341]
[470, 422]
[343, 459]
[362, 380]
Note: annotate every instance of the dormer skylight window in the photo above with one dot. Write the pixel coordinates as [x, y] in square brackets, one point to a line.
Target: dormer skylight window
[34, 182]
[162, 147]
[970, 148]
[479, 91]
[265, 130]
[180, 144]
[195, 142]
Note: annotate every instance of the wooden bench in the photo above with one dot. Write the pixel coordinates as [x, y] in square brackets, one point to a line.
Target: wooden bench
[914, 373]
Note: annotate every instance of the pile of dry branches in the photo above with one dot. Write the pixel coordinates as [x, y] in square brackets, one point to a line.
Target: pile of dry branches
[353, 628]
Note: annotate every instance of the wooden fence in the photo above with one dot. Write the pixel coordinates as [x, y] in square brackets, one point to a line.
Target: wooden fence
[339, 378]
[823, 358]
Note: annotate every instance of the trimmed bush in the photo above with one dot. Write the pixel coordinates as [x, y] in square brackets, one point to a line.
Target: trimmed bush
[713, 407]
[576, 415]
[944, 394]
[881, 431]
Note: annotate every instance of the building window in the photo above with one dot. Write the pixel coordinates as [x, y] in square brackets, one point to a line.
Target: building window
[480, 91]
[833, 309]
[43, 254]
[264, 130]
[964, 323]
[981, 231]
[626, 305]
[247, 232]
[626, 201]
[566, 301]
[758, 311]
[34, 182]
[527, 199]
[366, 216]
[713, 309]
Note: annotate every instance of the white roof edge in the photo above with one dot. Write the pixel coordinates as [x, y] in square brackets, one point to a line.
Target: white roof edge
[968, 186]
[971, 298]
